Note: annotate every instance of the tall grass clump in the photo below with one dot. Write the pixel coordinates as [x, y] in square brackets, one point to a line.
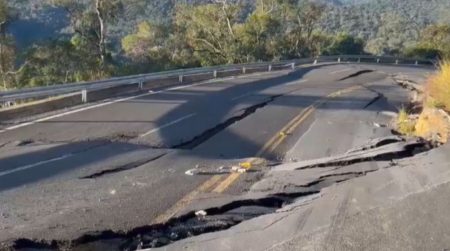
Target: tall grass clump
[438, 87]
[405, 125]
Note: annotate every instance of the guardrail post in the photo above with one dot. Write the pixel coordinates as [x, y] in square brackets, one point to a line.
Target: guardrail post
[215, 73]
[244, 70]
[180, 78]
[7, 104]
[293, 66]
[84, 96]
[270, 67]
[141, 85]
[378, 60]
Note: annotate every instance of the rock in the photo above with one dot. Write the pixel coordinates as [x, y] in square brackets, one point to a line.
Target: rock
[191, 172]
[201, 213]
[235, 168]
[242, 170]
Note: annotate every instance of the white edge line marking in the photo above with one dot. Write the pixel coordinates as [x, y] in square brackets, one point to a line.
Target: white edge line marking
[339, 71]
[70, 112]
[167, 125]
[23, 168]
[92, 107]
[118, 101]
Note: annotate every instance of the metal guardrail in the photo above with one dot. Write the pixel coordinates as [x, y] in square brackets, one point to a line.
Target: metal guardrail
[84, 87]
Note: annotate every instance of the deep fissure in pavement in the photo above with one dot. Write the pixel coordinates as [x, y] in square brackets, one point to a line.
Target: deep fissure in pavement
[188, 225]
[212, 219]
[198, 140]
[122, 168]
[408, 152]
[356, 74]
[376, 99]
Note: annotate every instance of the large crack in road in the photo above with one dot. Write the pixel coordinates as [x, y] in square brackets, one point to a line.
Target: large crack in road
[230, 214]
[209, 133]
[190, 224]
[356, 74]
[222, 216]
[123, 168]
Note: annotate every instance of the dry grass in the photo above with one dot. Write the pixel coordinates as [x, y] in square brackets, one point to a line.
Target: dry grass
[433, 125]
[438, 87]
[405, 125]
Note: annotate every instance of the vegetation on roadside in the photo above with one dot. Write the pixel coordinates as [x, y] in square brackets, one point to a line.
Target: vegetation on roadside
[405, 124]
[118, 37]
[438, 87]
[433, 122]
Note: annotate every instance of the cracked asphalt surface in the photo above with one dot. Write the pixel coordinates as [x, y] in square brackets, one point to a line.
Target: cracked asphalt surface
[109, 171]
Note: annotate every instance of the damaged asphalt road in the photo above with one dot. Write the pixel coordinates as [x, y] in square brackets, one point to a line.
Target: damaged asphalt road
[130, 191]
[294, 186]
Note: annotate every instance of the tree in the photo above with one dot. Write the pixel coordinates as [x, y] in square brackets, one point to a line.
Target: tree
[345, 44]
[3, 14]
[421, 52]
[7, 47]
[301, 19]
[56, 62]
[151, 47]
[148, 37]
[391, 37]
[437, 37]
[209, 31]
[90, 23]
[258, 35]
[107, 11]
[74, 9]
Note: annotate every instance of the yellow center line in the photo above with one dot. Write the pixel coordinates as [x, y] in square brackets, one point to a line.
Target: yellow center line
[291, 129]
[270, 146]
[275, 141]
[205, 186]
[281, 133]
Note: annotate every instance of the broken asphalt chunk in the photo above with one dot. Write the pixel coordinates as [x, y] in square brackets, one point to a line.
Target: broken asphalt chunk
[201, 213]
[389, 151]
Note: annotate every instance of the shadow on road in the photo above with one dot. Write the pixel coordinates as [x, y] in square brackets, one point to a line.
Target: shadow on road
[215, 113]
[25, 168]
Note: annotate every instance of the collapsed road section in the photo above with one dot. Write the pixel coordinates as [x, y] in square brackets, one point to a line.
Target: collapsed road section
[259, 201]
[114, 202]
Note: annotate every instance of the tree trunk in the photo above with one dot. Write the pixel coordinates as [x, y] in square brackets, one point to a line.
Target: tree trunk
[2, 58]
[225, 12]
[101, 21]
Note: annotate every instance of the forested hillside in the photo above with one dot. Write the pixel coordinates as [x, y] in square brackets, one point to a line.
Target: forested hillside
[387, 26]
[57, 41]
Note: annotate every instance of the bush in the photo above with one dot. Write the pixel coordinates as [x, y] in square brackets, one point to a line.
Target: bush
[344, 44]
[405, 125]
[422, 52]
[438, 87]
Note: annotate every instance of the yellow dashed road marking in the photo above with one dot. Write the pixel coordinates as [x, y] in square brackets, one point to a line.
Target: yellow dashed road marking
[181, 204]
[275, 141]
[270, 146]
